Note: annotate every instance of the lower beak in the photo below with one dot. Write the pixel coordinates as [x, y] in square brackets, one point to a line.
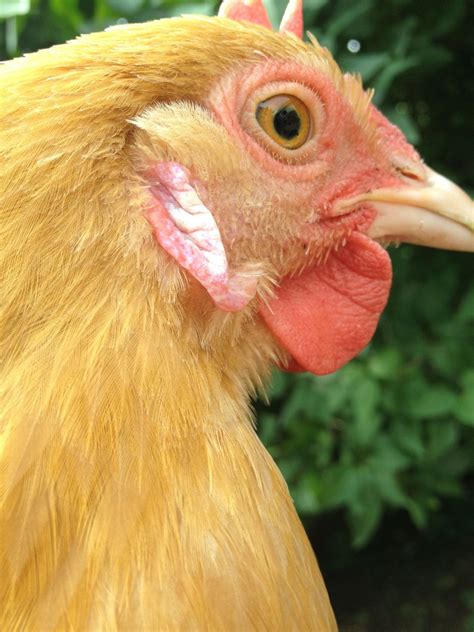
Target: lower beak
[432, 212]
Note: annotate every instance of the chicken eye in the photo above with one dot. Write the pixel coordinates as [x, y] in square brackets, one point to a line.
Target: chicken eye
[285, 119]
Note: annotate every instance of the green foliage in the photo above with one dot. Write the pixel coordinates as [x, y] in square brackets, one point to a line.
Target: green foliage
[12, 8]
[394, 428]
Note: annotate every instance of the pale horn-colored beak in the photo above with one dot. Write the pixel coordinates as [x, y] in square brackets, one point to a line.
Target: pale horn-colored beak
[432, 212]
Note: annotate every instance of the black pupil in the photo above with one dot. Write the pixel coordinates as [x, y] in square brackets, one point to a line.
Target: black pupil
[287, 123]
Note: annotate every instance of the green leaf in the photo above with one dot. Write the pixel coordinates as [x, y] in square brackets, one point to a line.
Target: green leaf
[404, 37]
[11, 8]
[388, 486]
[305, 494]
[387, 455]
[385, 363]
[442, 436]
[267, 428]
[456, 463]
[465, 313]
[365, 398]
[345, 18]
[408, 435]
[280, 384]
[338, 387]
[388, 76]
[68, 12]
[433, 402]
[297, 403]
[289, 467]
[324, 446]
[464, 409]
[313, 7]
[367, 64]
[275, 9]
[192, 8]
[338, 485]
[125, 6]
[364, 520]
[417, 513]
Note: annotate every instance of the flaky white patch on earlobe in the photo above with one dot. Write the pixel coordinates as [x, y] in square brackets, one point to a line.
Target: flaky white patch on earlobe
[187, 230]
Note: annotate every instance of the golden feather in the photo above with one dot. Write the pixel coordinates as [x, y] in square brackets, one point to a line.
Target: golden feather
[134, 491]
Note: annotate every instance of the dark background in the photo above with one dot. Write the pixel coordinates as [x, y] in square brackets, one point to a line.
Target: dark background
[380, 456]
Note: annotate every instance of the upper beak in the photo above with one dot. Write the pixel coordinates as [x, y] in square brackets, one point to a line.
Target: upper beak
[431, 211]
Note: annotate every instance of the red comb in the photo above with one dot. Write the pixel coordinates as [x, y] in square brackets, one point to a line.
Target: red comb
[251, 11]
[292, 21]
[254, 11]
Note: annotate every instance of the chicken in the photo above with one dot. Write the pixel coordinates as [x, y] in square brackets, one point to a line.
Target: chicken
[184, 204]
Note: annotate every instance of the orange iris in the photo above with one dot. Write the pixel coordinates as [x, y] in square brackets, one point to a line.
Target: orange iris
[285, 119]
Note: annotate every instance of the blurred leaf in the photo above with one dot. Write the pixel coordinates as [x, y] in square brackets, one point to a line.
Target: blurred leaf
[404, 36]
[312, 8]
[388, 76]
[301, 402]
[126, 7]
[194, 8]
[365, 398]
[466, 309]
[433, 55]
[11, 8]
[338, 389]
[367, 64]
[279, 383]
[289, 467]
[418, 513]
[364, 519]
[389, 488]
[69, 12]
[347, 17]
[433, 402]
[464, 409]
[275, 9]
[449, 15]
[385, 363]
[408, 436]
[338, 486]
[441, 437]
[267, 426]
[456, 463]
[305, 494]
[387, 455]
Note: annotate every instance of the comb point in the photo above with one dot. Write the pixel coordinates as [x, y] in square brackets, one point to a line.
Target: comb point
[249, 10]
[292, 21]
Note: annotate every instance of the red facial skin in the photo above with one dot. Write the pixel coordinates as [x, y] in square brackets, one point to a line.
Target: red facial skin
[328, 313]
[348, 155]
[280, 208]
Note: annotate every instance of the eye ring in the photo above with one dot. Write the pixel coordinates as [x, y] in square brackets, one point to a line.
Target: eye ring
[285, 119]
[259, 143]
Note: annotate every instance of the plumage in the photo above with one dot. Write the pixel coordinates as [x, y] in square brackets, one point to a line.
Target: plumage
[135, 493]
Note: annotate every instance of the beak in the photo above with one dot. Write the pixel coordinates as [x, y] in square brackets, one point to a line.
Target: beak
[428, 211]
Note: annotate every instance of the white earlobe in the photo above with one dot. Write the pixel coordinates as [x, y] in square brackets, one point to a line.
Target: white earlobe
[187, 230]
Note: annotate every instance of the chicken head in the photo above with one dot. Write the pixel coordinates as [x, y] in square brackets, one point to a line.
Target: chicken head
[184, 203]
[284, 170]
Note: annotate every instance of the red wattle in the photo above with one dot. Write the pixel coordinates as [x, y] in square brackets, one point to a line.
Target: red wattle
[328, 314]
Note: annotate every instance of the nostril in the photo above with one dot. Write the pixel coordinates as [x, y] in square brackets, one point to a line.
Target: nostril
[406, 173]
[412, 175]
[410, 170]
